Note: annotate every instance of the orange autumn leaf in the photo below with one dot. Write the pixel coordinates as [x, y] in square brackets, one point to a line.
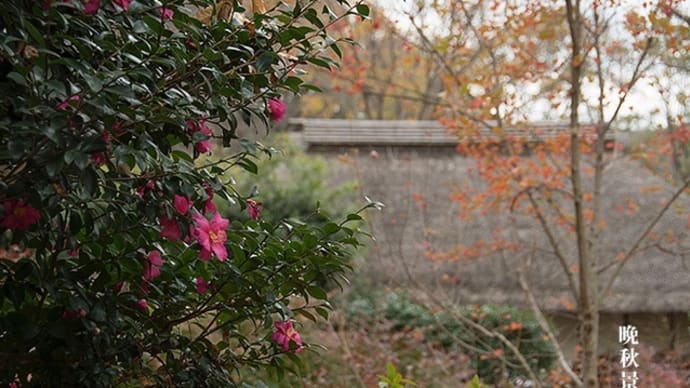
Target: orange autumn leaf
[513, 326]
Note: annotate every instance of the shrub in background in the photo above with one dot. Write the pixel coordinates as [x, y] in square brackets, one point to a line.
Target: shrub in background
[292, 185]
[488, 356]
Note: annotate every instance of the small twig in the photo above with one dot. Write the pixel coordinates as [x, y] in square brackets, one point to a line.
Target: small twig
[556, 247]
[545, 325]
[641, 238]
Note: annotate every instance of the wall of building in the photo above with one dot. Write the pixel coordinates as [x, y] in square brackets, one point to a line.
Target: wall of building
[656, 331]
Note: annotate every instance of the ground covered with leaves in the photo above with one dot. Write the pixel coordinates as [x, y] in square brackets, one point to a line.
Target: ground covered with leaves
[373, 328]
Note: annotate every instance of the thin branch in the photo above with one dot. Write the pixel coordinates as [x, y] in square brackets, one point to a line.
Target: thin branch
[641, 238]
[556, 247]
[448, 67]
[636, 75]
[505, 341]
[684, 18]
[545, 326]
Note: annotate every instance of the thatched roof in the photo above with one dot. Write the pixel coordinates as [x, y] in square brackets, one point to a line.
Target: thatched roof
[321, 133]
[416, 184]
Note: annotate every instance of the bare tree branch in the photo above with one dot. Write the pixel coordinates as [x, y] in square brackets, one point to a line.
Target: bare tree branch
[556, 247]
[641, 238]
[545, 325]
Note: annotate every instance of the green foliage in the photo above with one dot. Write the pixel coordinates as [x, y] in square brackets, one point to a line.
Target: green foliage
[291, 185]
[100, 121]
[400, 310]
[450, 329]
[394, 379]
[475, 383]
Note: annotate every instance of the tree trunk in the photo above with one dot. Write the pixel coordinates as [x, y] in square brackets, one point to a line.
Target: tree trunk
[587, 304]
[680, 338]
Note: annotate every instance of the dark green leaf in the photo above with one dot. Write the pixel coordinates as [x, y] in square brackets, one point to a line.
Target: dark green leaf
[17, 78]
[317, 292]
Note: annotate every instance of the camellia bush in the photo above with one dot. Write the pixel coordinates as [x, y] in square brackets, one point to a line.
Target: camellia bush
[116, 268]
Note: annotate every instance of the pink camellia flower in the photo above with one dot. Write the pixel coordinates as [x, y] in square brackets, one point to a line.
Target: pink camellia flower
[124, 4]
[170, 229]
[71, 314]
[98, 158]
[190, 43]
[201, 285]
[142, 304]
[117, 128]
[166, 13]
[152, 266]
[254, 209]
[19, 215]
[202, 146]
[210, 207]
[211, 236]
[276, 108]
[209, 190]
[182, 204]
[92, 6]
[107, 137]
[205, 254]
[284, 334]
[66, 103]
[141, 190]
